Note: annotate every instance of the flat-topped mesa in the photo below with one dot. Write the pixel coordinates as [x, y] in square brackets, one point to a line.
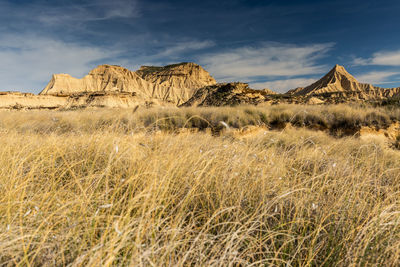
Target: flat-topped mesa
[183, 79]
[341, 83]
[173, 83]
[102, 78]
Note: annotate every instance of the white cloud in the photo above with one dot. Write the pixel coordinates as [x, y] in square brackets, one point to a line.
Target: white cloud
[383, 58]
[360, 61]
[88, 11]
[170, 53]
[119, 8]
[183, 47]
[283, 86]
[376, 77]
[27, 62]
[270, 59]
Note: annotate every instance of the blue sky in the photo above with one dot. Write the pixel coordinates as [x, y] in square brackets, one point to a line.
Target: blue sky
[275, 44]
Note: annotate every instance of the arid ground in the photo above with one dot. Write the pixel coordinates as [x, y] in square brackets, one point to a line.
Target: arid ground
[225, 186]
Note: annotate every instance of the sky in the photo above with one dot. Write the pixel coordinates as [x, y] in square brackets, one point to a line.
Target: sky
[276, 44]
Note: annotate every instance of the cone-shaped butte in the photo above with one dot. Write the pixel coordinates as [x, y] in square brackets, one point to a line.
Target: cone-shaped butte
[341, 83]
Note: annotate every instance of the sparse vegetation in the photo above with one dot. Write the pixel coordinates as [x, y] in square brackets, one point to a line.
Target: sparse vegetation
[391, 102]
[333, 118]
[112, 187]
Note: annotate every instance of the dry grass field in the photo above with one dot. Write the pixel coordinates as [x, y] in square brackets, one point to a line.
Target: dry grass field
[239, 186]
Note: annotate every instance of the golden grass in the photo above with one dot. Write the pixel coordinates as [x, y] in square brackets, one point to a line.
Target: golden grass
[334, 118]
[97, 193]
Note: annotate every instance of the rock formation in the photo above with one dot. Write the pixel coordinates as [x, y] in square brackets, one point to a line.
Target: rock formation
[182, 80]
[228, 94]
[338, 83]
[184, 84]
[174, 83]
[105, 78]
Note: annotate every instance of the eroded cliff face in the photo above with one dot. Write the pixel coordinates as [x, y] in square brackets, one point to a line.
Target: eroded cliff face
[339, 83]
[115, 86]
[182, 80]
[104, 78]
[174, 83]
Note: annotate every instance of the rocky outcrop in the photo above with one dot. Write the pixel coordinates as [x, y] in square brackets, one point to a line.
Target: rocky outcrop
[182, 80]
[174, 83]
[228, 94]
[338, 83]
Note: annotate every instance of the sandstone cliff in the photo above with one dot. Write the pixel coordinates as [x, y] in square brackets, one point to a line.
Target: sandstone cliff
[340, 84]
[182, 80]
[174, 83]
[105, 78]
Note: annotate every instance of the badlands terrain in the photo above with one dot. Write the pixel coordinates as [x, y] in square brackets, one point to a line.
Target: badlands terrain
[184, 84]
[164, 166]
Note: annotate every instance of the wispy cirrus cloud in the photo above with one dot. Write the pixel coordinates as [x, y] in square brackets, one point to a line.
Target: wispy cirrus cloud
[87, 11]
[179, 48]
[377, 77]
[67, 13]
[36, 58]
[269, 59]
[382, 58]
[29, 61]
[256, 64]
[390, 60]
[171, 52]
